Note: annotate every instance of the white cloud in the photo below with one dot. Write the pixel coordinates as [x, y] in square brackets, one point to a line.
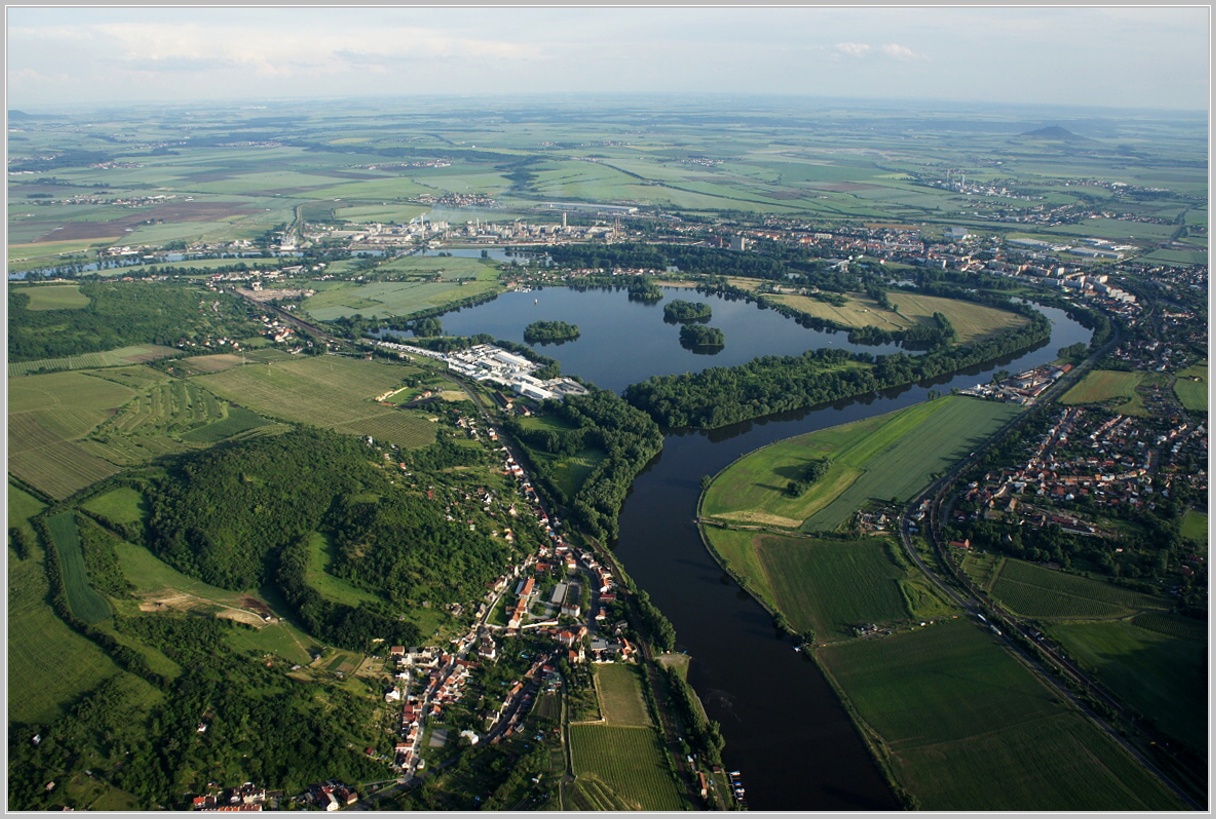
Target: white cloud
[853, 49]
[900, 52]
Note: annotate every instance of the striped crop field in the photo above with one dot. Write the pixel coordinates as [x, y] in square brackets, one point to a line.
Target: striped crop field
[629, 760]
[587, 793]
[327, 391]
[965, 727]
[620, 692]
[83, 600]
[137, 354]
[1036, 591]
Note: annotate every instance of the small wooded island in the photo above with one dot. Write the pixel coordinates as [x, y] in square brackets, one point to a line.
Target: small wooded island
[550, 331]
[680, 310]
[698, 335]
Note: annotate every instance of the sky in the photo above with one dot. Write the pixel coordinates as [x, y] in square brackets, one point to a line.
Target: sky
[1092, 56]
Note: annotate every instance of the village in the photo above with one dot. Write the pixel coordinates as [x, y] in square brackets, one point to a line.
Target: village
[427, 680]
[1091, 464]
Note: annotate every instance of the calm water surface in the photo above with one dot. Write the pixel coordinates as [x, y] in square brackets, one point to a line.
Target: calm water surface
[784, 728]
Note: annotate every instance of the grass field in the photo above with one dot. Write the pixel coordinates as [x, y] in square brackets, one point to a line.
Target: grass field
[162, 589]
[568, 472]
[1191, 387]
[330, 587]
[326, 391]
[83, 600]
[966, 727]
[829, 586]
[620, 693]
[136, 354]
[888, 456]
[55, 297]
[21, 506]
[1156, 662]
[1195, 526]
[1103, 385]
[459, 279]
[629, 760]
[970, 321]
[123, 505]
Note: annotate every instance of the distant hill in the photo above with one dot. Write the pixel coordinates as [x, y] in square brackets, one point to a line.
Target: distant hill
[1055, 133]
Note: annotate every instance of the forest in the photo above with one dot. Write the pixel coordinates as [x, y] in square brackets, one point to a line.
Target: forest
[120, 314]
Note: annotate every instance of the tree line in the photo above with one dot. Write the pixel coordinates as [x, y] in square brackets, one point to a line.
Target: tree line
[718, 396]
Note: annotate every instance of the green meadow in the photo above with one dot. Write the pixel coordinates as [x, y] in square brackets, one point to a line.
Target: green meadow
[1103, 385]
[880, 458]
[337, 393]
[1191, 387]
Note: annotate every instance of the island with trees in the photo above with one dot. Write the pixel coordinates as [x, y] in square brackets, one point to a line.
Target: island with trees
[547, 332]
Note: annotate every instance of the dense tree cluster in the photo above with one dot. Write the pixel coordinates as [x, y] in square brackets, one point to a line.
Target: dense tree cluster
[546, 331]
[220, 515]
[812, 472]
[236, 516]
[682, 310]
[644, 290]
[600, 420]
[699, 335]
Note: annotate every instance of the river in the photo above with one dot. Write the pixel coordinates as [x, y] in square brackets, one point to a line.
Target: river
[785, 730]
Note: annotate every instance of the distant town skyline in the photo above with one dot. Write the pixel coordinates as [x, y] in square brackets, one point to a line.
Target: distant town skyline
[1106, 57]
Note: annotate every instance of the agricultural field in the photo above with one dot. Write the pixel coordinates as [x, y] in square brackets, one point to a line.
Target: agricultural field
[1191, 387]
[327, 391]
[168, 417]
[1151, 658]
[42, 685]
[889, 456]
[1103, 385]
[620, 693]
[828, 586]
[48, 417]
[136, 354]
[985, 734]
[1156, 662]
[630, 761]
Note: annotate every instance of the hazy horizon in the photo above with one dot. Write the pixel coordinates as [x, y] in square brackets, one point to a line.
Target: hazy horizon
[1114, 57]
